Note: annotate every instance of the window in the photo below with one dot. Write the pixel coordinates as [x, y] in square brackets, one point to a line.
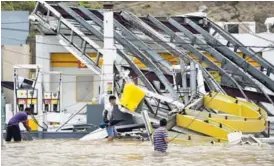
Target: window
[240, 28]
[232, 28]
[84, 85]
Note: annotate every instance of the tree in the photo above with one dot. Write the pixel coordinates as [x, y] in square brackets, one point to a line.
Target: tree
[18, 5]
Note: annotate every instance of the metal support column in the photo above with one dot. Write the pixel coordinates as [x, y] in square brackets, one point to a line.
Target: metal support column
[200, 80]
[43, 112]
[184, 80]
[3, 113]
[193, 79]
[2, 101]
[14, 91]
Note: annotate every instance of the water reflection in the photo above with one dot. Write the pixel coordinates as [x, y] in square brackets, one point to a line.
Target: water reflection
[74, 153]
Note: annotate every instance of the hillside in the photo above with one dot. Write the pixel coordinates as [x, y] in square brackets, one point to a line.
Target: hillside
[218, 11]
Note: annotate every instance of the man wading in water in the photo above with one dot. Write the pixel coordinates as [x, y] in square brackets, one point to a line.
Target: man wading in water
[160, 138]
[13, 129]
[108, 118]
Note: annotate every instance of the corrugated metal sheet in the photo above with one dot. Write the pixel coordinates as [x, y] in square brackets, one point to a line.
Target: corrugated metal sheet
[15, 25]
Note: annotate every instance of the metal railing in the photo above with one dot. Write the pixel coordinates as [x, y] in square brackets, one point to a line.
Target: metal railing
[71, 117]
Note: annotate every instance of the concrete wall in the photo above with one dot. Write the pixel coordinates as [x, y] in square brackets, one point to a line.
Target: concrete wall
[69, 86]
[14, 55]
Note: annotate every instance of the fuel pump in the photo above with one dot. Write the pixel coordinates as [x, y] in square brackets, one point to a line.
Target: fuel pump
[46, 105]
[46, 102]
[51, 100]
[55, 102]
[21, 99]
[26, 94]
[32, 101]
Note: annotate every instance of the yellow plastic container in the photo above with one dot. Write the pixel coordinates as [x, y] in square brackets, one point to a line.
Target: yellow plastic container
[131, 97]
[32, 125]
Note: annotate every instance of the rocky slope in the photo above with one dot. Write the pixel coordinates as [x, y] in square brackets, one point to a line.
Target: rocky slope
[218, 11]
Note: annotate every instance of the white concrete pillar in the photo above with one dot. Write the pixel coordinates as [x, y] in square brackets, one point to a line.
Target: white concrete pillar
[109, 54]
[44, 51]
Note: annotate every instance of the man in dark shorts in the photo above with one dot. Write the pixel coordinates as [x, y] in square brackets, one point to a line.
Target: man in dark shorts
[160, 138]
[13, 129]
[108, 118]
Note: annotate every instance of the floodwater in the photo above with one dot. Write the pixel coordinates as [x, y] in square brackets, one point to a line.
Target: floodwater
[89, 153]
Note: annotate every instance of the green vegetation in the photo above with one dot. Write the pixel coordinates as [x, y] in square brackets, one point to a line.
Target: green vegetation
[89, 4]
[29, 5]
[84, 4]
[18, 5]
[32, 34]
[146, 6]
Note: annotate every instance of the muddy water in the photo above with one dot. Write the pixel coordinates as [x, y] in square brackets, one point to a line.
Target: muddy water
[77, 153]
